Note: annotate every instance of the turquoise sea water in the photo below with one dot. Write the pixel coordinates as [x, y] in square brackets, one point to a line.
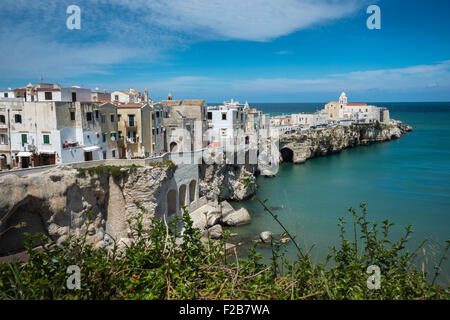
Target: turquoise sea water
[406, 181]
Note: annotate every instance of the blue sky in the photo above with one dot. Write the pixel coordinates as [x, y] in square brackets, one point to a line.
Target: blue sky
[260, 50]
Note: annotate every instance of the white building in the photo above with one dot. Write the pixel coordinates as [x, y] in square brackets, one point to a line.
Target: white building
[53, 132]
[226, 123]
[307, 120]
[127, 97]
[355, 112]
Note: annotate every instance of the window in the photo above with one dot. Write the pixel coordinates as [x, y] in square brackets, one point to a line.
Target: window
[209, 115]
[6, 94]
[74, 96]
[153, 131]
[116, 97]
[112, 118]
[120, 134]
[17, 118]
[24, 138]
[224, 116]
[118, 117]
[72, 115]
[2, 119]
[113, 153]
[153, 116]
[104, 154]
[3, 139]
[103, 119]
[96, 114]
[157, 131]
[48, 96]
[104, 137]
[89, 116]
[113, 136]
[46, 139]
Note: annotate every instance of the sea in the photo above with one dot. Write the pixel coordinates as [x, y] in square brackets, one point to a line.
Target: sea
[406, 181]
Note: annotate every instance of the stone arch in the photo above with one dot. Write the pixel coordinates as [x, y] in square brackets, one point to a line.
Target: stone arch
[182, 195]
[171, 202]
[192, 190]
[287, 155]
[173, 147]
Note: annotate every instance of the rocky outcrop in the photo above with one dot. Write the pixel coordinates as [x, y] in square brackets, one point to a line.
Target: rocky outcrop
[226, 181]
[62, 200]
[215, 232]
[236, 218]
[266, 236]
[315, 143]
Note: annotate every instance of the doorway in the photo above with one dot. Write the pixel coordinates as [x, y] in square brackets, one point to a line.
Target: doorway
[88, 156]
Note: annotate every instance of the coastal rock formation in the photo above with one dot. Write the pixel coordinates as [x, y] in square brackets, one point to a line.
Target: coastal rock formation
[62, 200]
[265, 236]
[236, 218]
[299, 147]
[226, 181]
[215, 232]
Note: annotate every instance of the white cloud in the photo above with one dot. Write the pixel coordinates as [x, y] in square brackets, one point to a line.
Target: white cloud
[418, 77]
[35, 39]
[256, 20]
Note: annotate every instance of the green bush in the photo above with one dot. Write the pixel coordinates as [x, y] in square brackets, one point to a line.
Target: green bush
[162, 263]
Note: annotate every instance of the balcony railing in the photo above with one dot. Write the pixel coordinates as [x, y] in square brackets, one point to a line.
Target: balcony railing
[130, 124]
[132, 140]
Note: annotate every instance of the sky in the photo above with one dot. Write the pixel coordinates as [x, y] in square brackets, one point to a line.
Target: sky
[254, 50]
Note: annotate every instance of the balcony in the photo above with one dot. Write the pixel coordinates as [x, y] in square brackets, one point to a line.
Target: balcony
[132, 140]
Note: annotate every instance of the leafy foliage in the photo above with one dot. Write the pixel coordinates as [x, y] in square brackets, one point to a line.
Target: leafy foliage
[164, 263]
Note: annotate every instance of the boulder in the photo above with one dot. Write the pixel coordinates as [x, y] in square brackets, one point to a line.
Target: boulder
[213, 219]
[215, 232]
[226, 208]
[266, 236]
[236, 218]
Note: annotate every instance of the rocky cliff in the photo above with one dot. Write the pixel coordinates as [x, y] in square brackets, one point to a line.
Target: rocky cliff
[314, 143]
[60, 201]
[226, 181]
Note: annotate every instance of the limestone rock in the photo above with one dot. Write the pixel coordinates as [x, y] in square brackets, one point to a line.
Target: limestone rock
[59, 202]
[236, 218]
[315, 143]
[213, 218]
[266, 236]
[215, 232]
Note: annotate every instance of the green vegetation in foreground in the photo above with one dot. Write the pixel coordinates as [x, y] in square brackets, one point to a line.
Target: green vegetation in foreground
[115, 170]
[156, 267]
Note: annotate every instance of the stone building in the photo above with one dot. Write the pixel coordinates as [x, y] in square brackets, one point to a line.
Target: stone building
[135, 125]
[112, 140]
[355, 112]
[185, 123]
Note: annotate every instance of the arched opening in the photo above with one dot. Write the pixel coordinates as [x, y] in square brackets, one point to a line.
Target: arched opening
[171, 202]
[173, 147]
[192, 187]
[287, 155]
[182, 195]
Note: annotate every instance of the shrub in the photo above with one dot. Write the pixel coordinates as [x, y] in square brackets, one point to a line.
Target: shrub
[164, 263]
